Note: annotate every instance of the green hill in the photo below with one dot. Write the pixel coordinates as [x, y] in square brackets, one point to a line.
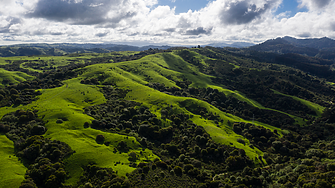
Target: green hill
[186, 116]
[12, 77]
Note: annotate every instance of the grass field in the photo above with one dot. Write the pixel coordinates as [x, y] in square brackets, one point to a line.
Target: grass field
[56, 61]
[11, 169]
[13, 77]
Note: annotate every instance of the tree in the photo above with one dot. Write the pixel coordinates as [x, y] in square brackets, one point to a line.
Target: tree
[132, 156]
[178, 170]
[100, 139]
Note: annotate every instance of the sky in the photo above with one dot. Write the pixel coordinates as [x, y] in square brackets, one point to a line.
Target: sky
[172, 22]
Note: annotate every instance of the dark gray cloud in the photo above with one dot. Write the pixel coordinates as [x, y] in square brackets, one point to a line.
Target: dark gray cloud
[134, 34]
[198, 31]
[332, 26]
[56, 33]
[85, 12]
[170, 30]
[321, 3]
[41, 32]
[244, 12]
[102, 34]
[305, 35]
[11, 21]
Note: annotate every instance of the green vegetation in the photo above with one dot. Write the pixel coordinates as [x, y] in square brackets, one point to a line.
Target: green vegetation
[318, 109]
[11, 169]
[67, 103]
[12, 77]
[184, 115]
[147, 69]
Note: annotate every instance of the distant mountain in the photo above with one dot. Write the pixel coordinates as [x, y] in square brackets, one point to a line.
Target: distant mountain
[234, 45]
[67, 48]
[321, 43]
[322, 47]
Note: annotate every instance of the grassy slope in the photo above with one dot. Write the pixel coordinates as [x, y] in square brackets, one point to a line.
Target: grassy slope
[11, 169]
[132, 76]
[13, 76]
[57, 61]
[67, 102]
[315, 107]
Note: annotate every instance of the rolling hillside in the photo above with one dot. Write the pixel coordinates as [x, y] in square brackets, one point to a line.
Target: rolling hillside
[177, 117]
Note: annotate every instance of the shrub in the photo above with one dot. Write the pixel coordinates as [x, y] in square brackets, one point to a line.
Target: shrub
[146, 169]
[277, 145]
[161, 164]
[4, 128]
[17, 101]
[241, 152]
[37, 130]
[314, 152]
[321, 183]
[132, 156]
[188, 167]
[122, 146]
[31, 115]
[178, 170]
[240, 140]
[300, 168]
[88, 185]
[86, 125]
[28, 185]
[331, 167]
[59, 121]
[153, 166]
[13, 91]
[100, 139]
[307, 162]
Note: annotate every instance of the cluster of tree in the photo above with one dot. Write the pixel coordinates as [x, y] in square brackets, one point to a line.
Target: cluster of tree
[259, 84]
[190, 158]
[43, 157]
[95, 176]
[186, 150]
[11, 96]
[229, 104]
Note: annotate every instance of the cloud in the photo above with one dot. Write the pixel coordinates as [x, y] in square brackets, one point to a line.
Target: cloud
[321, 3]
[243, 12]
[89, 12]
[184, 23]
[75, 12]
[102, 34]
[170, 30]
[198, 31]
[305, 35]
[9, 22]
[314, 4]
[145, 20]
[332, 26]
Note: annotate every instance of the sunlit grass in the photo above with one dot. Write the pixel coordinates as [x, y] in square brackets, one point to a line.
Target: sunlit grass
[318, 109]
[13, 77]
[11, 169]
